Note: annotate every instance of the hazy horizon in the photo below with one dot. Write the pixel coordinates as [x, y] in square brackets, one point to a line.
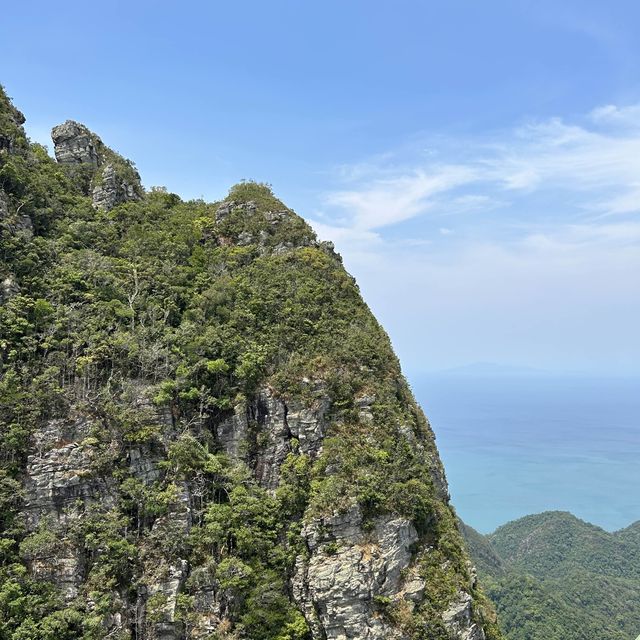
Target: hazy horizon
[481, 369]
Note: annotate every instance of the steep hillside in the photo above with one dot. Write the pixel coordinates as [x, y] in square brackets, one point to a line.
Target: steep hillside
[485, 557]
[630, 535]
[205, 433]
[555, 577]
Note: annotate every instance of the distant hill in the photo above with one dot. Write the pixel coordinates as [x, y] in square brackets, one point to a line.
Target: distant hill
[485, 557]
[549, 544]
[553, 576]
[631, 534]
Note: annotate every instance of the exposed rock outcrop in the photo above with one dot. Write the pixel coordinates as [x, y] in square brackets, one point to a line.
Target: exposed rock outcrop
[114, 180]
[113, 187]
[163, 577]
[274, 424]
[352, 575]
[8, 288]
[459, 619]
[62, 478]
[73, 143]
[262, 238]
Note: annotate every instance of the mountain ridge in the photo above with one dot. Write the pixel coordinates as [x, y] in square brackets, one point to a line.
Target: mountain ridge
[554, 576]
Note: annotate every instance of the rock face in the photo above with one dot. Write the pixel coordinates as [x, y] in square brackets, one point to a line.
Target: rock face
[114, 180]
[114, 188]
[205, 433]
[75, 144]
[8, 288]
[275, 423]
[353, 570]
[60, 483]
[351, 574]
[459, 618]
[61, 473]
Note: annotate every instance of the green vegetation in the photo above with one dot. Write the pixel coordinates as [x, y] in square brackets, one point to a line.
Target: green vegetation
[142, 328]
[555, 577]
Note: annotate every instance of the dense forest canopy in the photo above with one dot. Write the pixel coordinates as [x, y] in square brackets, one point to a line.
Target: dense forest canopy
[555, 577]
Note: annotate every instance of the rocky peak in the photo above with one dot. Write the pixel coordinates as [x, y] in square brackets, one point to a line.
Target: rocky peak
[251, 216]
[114, 180]
[75, 144]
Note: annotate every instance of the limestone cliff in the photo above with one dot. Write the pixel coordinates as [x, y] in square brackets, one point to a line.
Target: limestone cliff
[205, 432]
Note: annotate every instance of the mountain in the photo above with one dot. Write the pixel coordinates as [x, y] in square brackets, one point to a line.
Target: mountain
[204, 431]
[552, 543]
[553, 576]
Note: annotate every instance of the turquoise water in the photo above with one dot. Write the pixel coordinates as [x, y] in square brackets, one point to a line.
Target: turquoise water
[521, 445]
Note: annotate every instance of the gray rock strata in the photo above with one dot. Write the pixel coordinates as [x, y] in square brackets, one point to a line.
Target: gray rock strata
[75, 144]
[350, 574]
[114, 181]
[112, 187]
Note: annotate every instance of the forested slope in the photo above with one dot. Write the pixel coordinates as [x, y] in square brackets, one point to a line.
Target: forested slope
[555, 577]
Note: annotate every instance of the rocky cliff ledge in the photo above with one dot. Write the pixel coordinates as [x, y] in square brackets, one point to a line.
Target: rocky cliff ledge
[204, 431]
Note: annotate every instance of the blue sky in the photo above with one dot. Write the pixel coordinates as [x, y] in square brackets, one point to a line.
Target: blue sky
[476, 163]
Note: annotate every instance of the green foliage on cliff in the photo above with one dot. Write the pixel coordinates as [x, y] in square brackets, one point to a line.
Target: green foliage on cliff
[138, 330]
[555, 577]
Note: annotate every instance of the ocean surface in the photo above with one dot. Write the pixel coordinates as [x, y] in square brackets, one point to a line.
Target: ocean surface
[518, 445]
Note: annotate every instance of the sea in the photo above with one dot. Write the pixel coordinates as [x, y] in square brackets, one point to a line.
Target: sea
[514, 445]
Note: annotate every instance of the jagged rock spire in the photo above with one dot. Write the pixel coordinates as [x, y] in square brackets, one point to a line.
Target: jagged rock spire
[75, 144]
[115, 179]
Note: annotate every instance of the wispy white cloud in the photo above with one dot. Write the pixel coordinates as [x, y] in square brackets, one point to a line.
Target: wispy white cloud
[594, 162]
[626, 202]
[610, 114]
[389, 200]
[522, 248]
[570, 157]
